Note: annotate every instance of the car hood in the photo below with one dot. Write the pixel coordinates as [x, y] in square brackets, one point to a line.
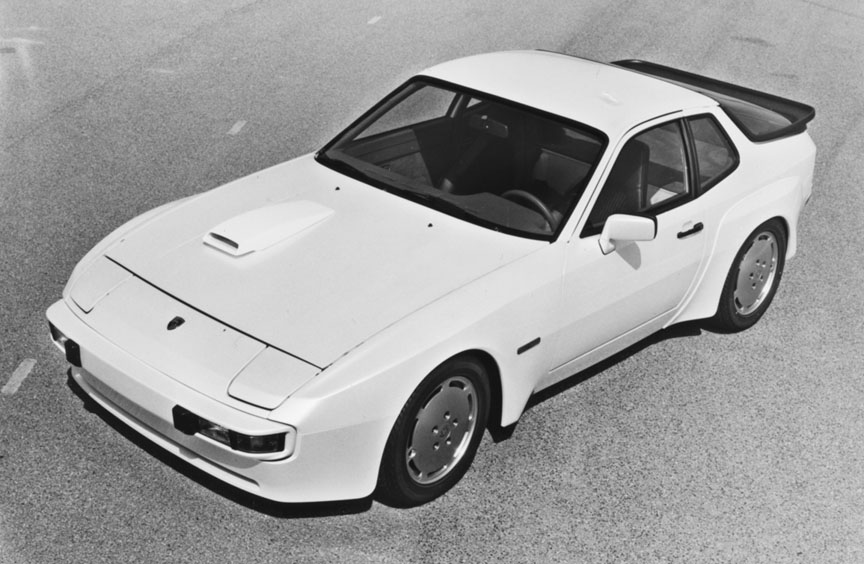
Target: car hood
[308, 260]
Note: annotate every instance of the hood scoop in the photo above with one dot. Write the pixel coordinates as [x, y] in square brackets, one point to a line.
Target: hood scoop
[258, 229]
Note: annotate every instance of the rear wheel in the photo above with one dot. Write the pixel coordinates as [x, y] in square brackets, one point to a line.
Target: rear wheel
[753, 279]
[436, 434]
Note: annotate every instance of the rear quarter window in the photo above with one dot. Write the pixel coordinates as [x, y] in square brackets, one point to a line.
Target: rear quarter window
[716, 157]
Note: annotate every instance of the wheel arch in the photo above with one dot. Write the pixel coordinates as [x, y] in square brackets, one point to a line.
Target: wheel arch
[706, 298]
[398, 482]
[493, 372]
[784, 223]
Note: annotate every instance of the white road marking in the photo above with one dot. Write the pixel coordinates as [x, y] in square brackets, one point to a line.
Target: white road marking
[236, 128]
[18, 376]
[374, 20]
[21, 41]
[22, 49]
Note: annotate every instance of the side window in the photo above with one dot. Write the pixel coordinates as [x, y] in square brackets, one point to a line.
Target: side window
[650, 173]
[715, 155]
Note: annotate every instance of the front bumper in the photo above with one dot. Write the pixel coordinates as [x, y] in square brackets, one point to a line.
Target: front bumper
[340, 463]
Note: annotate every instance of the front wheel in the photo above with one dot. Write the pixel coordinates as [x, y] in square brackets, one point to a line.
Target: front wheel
[753, 279]
[436, 434]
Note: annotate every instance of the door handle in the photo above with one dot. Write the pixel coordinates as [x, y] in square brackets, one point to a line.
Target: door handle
[696, 229]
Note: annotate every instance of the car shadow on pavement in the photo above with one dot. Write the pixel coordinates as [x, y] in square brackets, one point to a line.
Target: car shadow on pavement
[238, 496]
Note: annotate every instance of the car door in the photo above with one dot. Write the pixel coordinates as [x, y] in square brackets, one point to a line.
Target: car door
[611, 300]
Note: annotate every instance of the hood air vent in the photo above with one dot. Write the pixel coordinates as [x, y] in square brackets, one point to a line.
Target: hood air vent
[263, 227]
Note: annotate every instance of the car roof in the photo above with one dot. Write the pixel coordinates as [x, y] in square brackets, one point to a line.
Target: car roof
[606, 97]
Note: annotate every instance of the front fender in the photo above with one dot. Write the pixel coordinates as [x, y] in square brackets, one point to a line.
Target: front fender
[368, 386]
[496, 314]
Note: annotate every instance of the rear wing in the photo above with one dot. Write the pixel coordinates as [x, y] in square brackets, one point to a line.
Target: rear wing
[760, 116]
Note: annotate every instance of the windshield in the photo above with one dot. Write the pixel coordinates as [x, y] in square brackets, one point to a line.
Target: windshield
[493, 163]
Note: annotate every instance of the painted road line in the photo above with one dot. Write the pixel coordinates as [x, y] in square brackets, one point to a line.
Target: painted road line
[374, 20]
[18, 376]
[236, 128]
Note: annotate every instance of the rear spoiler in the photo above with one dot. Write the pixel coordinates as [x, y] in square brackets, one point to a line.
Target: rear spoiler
[760, 116]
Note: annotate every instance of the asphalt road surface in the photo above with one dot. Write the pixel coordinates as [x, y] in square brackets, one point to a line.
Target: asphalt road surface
[693, 447]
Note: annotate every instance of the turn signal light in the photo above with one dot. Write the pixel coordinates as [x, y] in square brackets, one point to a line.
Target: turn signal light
[187, 422]
[67, 345]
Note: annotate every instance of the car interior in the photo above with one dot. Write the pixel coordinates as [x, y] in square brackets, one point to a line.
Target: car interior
[506, 165]
[649, 175]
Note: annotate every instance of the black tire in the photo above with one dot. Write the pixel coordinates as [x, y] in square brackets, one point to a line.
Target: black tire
[753, 279]
[436, 435]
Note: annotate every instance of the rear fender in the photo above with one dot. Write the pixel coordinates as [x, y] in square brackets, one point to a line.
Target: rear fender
[780, 199]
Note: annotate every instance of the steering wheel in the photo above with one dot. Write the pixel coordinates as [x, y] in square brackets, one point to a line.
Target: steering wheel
[534, 201]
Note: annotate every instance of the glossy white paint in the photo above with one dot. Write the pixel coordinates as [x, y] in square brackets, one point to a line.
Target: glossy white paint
[606, 97]
[262, 228]
[322, 292]
[622, 228]
[328, 327]
[105, 276]
[202, 353]
[142, 397]
[638, 284]
[270, 377]
[773, 180]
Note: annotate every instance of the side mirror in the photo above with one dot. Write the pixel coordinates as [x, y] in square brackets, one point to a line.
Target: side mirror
[620, 227]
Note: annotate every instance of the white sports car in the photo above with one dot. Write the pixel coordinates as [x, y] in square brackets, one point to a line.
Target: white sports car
[349, 322]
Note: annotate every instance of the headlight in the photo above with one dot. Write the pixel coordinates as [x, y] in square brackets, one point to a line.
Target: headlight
[277, 443]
